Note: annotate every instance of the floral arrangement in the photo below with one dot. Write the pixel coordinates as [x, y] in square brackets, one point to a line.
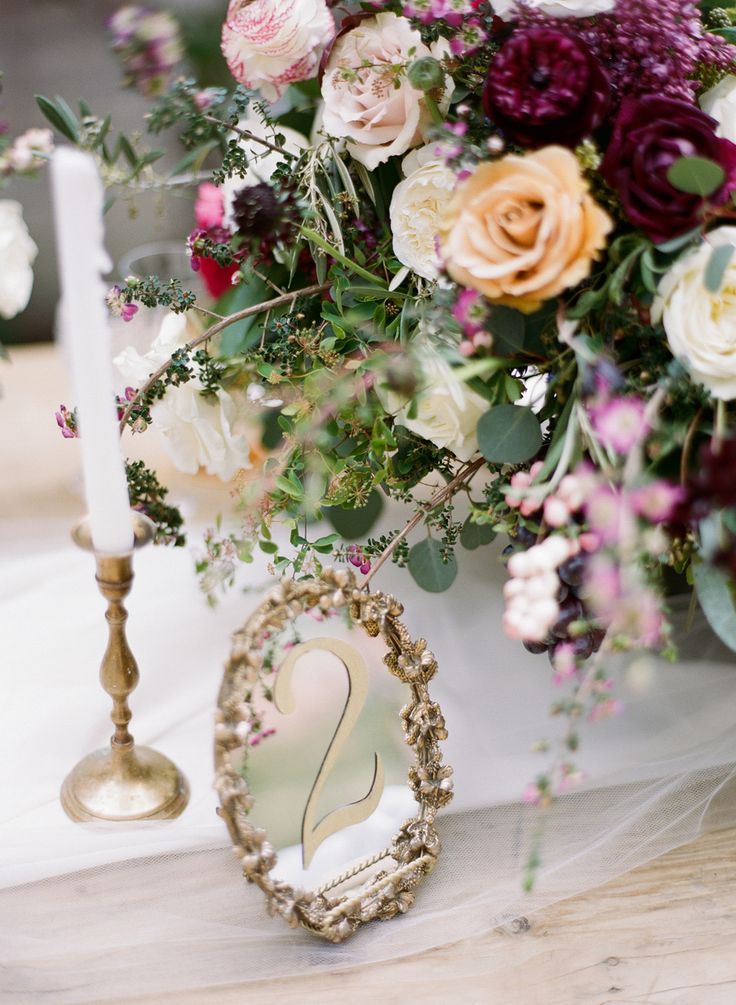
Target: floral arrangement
[473, 257]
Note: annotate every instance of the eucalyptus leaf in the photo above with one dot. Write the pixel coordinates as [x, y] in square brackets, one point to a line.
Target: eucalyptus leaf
[473, 535]
[352, 524]
[509, 434]
[715, 270]
[715, 594]
[696, 176]
[428, 569]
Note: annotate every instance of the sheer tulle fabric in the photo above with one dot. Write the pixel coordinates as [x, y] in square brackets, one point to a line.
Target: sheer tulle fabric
[97, 912]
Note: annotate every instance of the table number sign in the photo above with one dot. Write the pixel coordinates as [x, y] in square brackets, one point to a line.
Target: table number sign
[269, 657]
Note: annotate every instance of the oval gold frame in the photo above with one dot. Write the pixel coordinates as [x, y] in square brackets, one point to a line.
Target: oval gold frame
[337, 909]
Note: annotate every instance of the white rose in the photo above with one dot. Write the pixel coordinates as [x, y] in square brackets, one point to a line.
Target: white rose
[701, 326]
[508, 9]
[447, 411]
[415, 210]
[720, 102]
[262, 162]
[269, 44]
[364, 104]
[198, 430]
[17, 253]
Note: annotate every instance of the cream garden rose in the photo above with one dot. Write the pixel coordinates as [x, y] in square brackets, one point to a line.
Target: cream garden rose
[701, 326]
[199, 431]
[447, 410]
[720, 102]
[17, 254]
[416, 208]
[523, 229]
[269, 44]
[508, 9]
[366, 100]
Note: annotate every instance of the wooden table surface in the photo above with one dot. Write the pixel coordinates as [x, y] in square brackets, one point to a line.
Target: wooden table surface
[664, 934]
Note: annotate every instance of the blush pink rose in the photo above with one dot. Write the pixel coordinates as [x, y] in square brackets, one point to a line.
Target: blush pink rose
[269, 44]
[367, 96]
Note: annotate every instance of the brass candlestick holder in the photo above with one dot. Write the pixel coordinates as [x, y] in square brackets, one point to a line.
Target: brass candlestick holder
[123, 781]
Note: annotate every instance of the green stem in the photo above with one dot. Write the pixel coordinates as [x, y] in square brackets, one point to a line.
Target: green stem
[433, 109]
[315, 238]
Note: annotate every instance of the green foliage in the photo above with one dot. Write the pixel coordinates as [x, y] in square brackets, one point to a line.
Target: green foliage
[474, 535]
[148, 495]
[696, 176]
[431, 567]
[509, 434]
[716, 597]
[352, 524]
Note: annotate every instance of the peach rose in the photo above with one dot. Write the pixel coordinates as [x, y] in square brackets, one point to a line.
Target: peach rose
[269, 44]
[523, 229]
[367, 99]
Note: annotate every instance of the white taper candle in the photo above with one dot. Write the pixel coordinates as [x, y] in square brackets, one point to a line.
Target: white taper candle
[78, 196]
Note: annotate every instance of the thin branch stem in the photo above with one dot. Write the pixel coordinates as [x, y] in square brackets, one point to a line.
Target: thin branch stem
[215, 329]
[464, 475]
[246, 134]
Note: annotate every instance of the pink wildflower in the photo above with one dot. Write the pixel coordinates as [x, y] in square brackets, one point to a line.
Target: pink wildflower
[656, 501]
[619, 422]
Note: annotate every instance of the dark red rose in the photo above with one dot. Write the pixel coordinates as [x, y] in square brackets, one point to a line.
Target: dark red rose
[544, 86]
[650, 134]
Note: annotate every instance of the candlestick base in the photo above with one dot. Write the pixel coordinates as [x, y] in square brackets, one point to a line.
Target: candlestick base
[124, 782]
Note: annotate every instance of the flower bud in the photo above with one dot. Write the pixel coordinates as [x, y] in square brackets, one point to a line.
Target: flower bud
[425, 74]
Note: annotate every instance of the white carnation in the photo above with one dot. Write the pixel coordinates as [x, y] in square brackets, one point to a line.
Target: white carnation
[17, 254]
[701, 326]
[720, 102]
[509, 9]
[199, 431]
[416, 206]
[447, 411]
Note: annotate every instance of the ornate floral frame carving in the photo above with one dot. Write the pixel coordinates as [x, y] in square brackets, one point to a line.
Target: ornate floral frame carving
[336, 910]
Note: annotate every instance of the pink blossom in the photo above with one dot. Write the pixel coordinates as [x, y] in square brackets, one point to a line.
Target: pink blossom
[619, 422]
[556, 511]
[607, 511]
[532, 794]
[564, 662]
[605, 709]
[657, 500]
[67, 422]
[603, 585]
[209, 209]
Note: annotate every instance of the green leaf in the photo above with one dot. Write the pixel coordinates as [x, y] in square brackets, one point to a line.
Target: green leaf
[352, 524]
[509, 434]
[715, 593]
[675, 243]
[473, 535]
[696, 176]
[718, 262]
[60, 117]
[427, 568]
[508, 328]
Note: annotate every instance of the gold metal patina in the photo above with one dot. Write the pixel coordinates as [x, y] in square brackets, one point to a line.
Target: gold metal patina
[122, 781]
[380, 887]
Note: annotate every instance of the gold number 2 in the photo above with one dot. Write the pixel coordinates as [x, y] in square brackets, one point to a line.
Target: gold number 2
[315, 831]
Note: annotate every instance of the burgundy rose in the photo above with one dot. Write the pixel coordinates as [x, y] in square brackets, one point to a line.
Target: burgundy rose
[650, 134]
[544, 86]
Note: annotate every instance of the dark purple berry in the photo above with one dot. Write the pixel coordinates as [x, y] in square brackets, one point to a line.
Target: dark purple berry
[537, 648]
[525, 537]
[563, 592]
[583, 646]
[572, 571]
[571, 610]
[598, 635]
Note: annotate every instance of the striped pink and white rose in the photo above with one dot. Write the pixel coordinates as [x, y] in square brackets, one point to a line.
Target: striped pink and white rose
[269, 44]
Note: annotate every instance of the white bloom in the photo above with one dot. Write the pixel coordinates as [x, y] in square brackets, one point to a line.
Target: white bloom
[720, 102]
[17, 253]
[416, 206]
[447, 411]
[30, 150]
[199, 431]
[508, 9]
[362, 101]
[269, 44]
[262, 162]
[701, 326]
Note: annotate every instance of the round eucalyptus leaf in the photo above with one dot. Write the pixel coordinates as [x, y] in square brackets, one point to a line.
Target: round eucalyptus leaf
[473, 535]
[509, 434]
[352, 524]
[428, 569]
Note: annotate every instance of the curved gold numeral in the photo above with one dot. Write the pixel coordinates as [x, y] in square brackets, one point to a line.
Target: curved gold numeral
[315, 831]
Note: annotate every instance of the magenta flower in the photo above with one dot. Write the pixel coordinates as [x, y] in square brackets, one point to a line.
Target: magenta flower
[149, 46]
[67, 422]
[357, 558]
[607, 512]
[657, 501]
[119, 307]
[603, 586]
[619, 422]
[209, 208]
